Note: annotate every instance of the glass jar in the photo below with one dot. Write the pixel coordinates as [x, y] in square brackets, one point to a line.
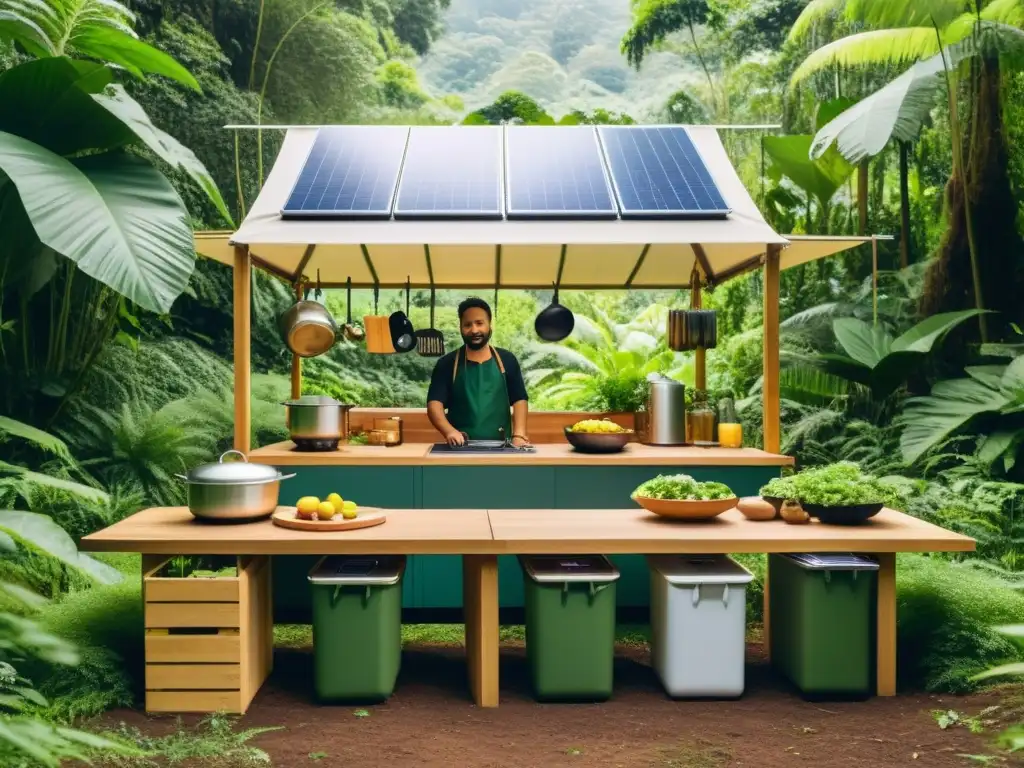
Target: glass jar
[700, 423]
[730, 431]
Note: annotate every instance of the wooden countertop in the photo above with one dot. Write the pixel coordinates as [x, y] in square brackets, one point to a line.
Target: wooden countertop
[627, 531]
[173, 530]
[550, 454]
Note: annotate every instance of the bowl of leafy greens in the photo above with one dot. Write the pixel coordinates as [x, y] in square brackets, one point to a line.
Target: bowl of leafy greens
[836, 494]
[683, 497]
[777, 490]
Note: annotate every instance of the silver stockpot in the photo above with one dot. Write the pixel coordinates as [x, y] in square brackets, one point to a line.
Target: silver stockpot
[317, 417]
[233, 490]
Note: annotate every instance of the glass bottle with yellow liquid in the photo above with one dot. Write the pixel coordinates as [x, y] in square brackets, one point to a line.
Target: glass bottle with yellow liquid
[700, 421]
[730, 431]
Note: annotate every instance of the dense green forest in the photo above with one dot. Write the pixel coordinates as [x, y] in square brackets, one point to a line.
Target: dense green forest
[899, 118]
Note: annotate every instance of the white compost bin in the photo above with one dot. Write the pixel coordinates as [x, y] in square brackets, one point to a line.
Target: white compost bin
[698, 624]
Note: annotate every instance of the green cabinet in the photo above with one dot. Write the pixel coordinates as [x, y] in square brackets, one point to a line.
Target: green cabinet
[439, 577]
[393, 487]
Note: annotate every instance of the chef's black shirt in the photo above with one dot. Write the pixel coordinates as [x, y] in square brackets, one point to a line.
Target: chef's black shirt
[441, 379]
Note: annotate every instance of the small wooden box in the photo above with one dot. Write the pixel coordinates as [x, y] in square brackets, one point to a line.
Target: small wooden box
[209, 641]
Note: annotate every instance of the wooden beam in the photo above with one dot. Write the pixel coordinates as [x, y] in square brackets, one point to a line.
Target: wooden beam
[296, 360]
[242, 307]
[638, 265]
[705, 265]
[306, 256]
[770, 387]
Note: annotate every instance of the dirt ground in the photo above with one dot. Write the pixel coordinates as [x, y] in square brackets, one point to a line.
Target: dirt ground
[431, 721]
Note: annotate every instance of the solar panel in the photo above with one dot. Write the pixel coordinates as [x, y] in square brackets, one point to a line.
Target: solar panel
[556, 171]
[351, 171]
[658, 172]
[451, 171]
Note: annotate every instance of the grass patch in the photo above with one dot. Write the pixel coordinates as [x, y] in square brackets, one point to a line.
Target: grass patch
[213, 743]
[700, 755]
[946, 614]
[301, 635]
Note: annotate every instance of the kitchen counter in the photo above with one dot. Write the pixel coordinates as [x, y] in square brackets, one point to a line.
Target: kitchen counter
[548, 454]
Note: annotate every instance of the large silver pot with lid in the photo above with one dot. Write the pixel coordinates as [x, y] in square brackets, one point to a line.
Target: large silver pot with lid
[317, 417]
[233, 490]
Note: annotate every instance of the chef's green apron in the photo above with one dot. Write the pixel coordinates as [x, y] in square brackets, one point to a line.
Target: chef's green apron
[479, 403]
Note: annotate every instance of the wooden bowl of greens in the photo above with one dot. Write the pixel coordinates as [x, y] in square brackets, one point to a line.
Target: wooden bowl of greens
[837, 494]
[684, 498]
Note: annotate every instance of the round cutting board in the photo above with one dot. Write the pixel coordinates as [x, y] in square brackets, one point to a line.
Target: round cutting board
[368, 517]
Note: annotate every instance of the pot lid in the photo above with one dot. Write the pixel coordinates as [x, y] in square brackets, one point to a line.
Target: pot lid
[232, 471]
[313, 400]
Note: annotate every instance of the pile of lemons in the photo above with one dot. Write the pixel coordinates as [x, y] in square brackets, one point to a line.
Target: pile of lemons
[597, 427]
[311, 508]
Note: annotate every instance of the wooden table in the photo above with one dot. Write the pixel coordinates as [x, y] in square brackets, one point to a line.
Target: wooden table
[481, 535]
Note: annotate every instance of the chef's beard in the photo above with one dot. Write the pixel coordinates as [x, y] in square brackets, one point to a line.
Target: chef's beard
[477, 345]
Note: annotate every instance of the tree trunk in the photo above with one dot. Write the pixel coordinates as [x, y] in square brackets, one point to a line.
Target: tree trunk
[949, 283]
[904, 206]
[862, 197]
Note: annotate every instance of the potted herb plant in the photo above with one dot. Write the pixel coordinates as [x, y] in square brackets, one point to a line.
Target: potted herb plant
[839, 494]
[625, 393]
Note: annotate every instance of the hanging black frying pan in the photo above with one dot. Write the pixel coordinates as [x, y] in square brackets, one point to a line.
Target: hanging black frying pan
[554, 322]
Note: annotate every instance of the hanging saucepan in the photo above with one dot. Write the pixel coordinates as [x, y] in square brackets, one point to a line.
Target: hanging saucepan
[351, 331]
[307, 327]
[403, 336]
[554, 322]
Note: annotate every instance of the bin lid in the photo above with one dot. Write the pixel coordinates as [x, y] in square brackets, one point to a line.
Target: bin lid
[555, 568]
[834, 561]
[358, 570]
[699, 569]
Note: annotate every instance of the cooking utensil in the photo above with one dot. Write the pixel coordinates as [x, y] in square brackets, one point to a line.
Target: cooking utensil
[317, 417]
[351, 331]
[378, 337]
[307, 327]
[430, 342]
[554, 322]
[709, 328]
[403, 337]
[666, 412]
[598, 442]
[235, 490]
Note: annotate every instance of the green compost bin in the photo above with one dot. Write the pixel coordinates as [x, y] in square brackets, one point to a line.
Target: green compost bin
[822, 621]
[357, 626]
[570, 626]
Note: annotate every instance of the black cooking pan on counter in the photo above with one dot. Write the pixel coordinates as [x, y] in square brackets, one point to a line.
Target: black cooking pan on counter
[555, 322]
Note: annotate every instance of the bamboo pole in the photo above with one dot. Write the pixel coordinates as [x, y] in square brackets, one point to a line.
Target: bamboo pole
[770, 387]
[242, 307]
[874, 280]
[296, 360]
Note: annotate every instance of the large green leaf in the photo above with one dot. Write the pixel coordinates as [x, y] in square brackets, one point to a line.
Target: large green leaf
[865, 343]
[38, 437]
[927, 421]
[821, 177]
[44, 534]
[113, 45]
[117, 101]
[114, 215]
[49, 102]
[12, 471]
[922, 337]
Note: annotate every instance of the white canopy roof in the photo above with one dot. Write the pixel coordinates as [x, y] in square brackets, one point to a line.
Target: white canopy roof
[510, 253]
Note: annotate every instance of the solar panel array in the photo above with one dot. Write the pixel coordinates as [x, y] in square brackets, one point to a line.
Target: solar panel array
[518, 171]
[658, 171]
[451, 173]
[556, 171]
[351, 170]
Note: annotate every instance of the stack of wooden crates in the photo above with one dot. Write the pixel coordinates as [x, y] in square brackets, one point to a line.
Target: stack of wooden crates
[209, 641]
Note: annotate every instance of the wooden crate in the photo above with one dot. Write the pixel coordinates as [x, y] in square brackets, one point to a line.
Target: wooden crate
[209, 642]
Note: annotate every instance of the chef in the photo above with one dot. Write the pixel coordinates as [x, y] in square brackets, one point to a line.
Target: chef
[478, 390]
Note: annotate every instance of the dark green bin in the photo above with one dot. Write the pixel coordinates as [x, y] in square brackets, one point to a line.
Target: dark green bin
[570, 626]
[357, 626]
[822, 621]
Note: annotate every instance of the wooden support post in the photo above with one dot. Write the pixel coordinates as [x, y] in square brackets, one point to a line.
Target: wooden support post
[770, 386]
[480, 604]
[242, 306]
[296, 360]
[700, 376]
[885, 626]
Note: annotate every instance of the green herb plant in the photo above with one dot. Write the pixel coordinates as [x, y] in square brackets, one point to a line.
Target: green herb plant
[835, 485]
[682, 488]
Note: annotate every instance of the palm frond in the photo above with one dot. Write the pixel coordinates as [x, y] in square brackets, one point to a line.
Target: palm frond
[812, 14]
[905, 13]
[37, 437]
[828, 310]
[877, 47]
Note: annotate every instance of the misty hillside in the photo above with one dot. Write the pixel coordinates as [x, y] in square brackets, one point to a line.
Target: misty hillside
[563, 53]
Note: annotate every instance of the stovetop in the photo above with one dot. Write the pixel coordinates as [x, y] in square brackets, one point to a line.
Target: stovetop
[476, 448]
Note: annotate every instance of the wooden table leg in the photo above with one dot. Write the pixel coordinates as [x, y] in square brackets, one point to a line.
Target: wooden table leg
[886, 625]
[480, 602]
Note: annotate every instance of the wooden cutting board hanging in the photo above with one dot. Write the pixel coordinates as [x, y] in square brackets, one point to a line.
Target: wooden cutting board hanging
[378, 330]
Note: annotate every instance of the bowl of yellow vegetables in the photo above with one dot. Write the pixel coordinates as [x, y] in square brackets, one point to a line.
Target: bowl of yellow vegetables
[598, 436]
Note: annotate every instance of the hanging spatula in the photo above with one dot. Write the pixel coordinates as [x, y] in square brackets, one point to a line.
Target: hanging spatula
[430, 342]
